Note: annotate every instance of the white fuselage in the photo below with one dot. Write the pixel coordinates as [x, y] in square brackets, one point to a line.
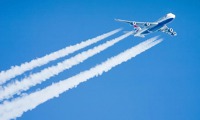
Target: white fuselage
[156, 26]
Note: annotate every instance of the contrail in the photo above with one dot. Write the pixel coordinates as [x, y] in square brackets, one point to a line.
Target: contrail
[16, 107]
[18, 70]
[37, 78]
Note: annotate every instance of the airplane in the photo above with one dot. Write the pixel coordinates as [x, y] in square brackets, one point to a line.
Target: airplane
[143, 28]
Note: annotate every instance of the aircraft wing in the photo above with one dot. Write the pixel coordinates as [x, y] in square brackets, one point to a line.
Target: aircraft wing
[140, 24]
[167, 30]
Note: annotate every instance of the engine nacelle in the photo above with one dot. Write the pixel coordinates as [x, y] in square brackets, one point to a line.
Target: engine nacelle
[147, 24]
[174, 33]
[170, 30]
[134, 23]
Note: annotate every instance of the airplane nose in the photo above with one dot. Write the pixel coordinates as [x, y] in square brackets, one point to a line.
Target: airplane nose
[170, 15]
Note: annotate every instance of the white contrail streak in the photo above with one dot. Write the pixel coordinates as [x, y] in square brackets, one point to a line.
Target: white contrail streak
[18, 70]
[15, 108]
[37, 78]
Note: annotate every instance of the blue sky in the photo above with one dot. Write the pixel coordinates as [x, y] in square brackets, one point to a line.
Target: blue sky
[162, 83]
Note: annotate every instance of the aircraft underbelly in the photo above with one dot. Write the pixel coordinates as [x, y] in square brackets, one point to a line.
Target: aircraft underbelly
[159, 25]
[152, 29]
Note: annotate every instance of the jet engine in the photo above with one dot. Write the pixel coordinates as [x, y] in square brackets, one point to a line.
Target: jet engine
[174, 33]
[134, 23]
[170, 30]
[147, 24]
